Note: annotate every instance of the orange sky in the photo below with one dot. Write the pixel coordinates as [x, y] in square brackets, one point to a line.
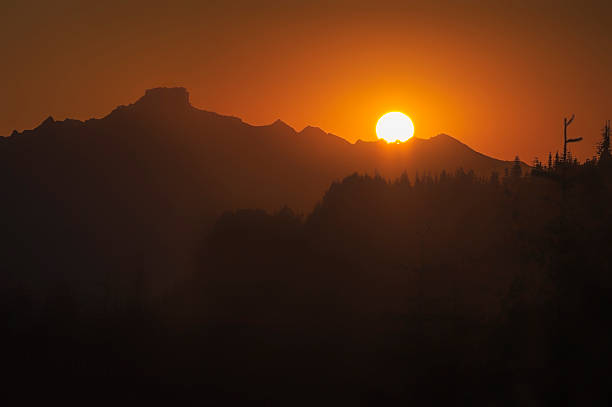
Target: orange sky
[499, 78]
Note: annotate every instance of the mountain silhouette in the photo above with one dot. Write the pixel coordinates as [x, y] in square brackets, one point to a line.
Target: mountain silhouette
[138, 188]
[187, 153]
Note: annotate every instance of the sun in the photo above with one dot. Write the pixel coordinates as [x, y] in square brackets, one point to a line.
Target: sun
[394, 127]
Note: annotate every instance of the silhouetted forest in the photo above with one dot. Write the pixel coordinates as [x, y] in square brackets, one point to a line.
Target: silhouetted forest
[437, 288]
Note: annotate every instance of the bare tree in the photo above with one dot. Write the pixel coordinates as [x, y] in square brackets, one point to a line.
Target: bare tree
[566, 141]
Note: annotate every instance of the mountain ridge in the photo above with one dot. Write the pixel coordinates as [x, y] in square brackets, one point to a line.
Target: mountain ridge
[225, 156]
[178, 98]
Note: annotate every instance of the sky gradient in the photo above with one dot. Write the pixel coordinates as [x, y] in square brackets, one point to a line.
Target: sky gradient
[500, 78]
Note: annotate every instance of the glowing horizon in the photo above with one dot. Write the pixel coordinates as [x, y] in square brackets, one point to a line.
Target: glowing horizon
[502, 88]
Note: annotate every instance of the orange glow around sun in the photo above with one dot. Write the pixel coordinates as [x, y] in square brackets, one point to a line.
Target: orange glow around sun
[327, 65]
[394, 127]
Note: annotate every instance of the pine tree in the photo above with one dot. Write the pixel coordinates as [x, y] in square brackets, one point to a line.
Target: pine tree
[550, 162]
[537, 163]
[443, 176]
[603, 148]
[538, 168]
[516, 168]
[494, 179]
[404, 180]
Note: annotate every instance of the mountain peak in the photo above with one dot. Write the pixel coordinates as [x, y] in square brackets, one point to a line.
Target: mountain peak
[444, 136]
[312, 131]
[165, 97]
[446, 139]
[46, 123]
[279, 124]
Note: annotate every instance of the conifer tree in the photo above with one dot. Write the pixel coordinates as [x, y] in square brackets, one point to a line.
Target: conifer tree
[538, 168]
[516, 168]
[603, 148]
[550, 162]
[404, 180]
[494, 179]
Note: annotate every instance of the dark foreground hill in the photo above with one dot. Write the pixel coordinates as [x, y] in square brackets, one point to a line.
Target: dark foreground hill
[437, 292]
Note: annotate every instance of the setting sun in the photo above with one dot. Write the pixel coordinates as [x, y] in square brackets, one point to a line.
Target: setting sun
[394, 127]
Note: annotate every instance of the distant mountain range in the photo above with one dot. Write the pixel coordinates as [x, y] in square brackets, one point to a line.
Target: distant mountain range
[167, 149]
